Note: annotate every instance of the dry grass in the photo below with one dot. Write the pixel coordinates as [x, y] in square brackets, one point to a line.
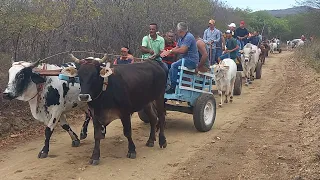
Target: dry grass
[310, 53]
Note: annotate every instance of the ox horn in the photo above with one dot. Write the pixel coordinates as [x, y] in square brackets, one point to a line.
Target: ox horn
[34, 64]
[105, 57]
[74, 58]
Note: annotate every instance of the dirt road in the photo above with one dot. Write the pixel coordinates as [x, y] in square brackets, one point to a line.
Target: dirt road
[262, 135]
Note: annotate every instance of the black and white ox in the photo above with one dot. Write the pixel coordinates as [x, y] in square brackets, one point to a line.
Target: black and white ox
[49, 97]
[119, 92]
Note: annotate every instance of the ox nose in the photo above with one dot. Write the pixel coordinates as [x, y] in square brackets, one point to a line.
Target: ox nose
[84, 97]
[6, 96]
[246, 60]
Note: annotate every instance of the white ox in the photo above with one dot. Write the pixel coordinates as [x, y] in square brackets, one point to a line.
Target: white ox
[296, 43]
[225, 75]
[249, 59]
[49, 98]
[273, 47]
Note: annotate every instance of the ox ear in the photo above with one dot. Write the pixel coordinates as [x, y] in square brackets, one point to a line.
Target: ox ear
[241, 51]
[70, 72]
[37, 79]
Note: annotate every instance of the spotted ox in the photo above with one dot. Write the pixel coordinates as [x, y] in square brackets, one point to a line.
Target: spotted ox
[119, 92]
[249, 58]
[49, 98]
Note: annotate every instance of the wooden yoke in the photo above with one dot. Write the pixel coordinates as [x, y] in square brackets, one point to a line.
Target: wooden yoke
[44, 72]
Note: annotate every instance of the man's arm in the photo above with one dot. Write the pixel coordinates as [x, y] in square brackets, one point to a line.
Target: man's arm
[205, 36]
[144, 45]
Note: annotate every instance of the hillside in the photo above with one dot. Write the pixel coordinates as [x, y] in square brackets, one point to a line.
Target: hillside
[290, 11]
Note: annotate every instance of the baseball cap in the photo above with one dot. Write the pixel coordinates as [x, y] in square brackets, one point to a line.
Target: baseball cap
[228, 32]
[232, 25]
[211, 21]
[242, 22]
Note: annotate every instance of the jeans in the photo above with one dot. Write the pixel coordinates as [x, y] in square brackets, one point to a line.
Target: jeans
[224, 56]
[241, 43]
[212, 55]
[173, 73]
[218, 54]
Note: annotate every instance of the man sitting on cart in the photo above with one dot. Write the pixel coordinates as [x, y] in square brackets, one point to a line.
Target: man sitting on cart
[152, 45]
[187, 46]
[232, 48]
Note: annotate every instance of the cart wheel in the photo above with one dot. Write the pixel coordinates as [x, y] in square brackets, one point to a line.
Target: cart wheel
[204, 112]
[280, 50]
[238, 84]
[143, 116]
[258, 70]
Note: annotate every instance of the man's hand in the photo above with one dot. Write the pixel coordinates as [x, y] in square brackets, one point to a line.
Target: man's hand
[165, 53]
[151, 52]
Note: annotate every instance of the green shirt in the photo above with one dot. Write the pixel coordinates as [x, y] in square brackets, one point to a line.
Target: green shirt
[231, 44]
[156, 45]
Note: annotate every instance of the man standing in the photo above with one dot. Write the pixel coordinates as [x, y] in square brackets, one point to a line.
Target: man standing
[232, 47]
[242, 34]
[211, 37]
[170, 43]
[232, 28]
[152, 44]
[260, 37]
[220, 46]
[254, 39]
[187, 46]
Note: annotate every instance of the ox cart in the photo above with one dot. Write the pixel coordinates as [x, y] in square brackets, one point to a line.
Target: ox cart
[194, 91]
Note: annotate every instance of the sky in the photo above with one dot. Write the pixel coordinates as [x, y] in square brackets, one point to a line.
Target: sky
[256, 5]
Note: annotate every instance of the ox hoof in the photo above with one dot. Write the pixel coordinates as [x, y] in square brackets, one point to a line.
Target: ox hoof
[164, 145]
[76, 143]
[42, 155]
[162, 141]
[250, 82]
[231, 100]
[83, 136]
[150, 144]
[246, 84]
[220, 105]
[94, 162]
[226, 101]
[132, 155]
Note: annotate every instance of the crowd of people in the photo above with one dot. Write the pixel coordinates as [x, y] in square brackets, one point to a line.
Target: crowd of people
[199, 51]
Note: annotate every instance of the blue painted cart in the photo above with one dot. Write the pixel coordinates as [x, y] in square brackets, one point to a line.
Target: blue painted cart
[196, 91]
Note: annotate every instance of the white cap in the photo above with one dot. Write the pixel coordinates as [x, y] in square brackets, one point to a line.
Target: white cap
[232, 25]
[228, 32]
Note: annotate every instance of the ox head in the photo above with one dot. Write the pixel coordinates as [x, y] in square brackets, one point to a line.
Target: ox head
[93, 75]
[246, 54]
[220, 70]
[22, 81]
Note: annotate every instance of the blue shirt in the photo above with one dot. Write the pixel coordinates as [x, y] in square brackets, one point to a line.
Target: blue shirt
[254, 40]
[192, 53]
[214, 35]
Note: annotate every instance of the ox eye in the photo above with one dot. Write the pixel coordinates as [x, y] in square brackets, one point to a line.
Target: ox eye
[20, 76]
